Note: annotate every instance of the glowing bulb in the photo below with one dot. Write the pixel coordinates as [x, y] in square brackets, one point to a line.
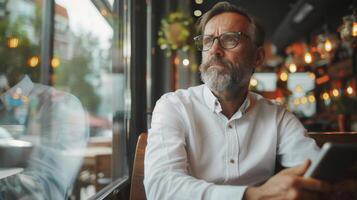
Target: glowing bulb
[312, 98]
[349, 90]
[298, 88]
[292, 67]
[303, 100]
[325, 96]
[308, 57]
[284, 76]
[197, 13]
[33, 61]
[335, 92]
[328, 45]
[55, 62]
[199, 1]
[354, 29]
[253, 82]
[185, 62]
[13, 43]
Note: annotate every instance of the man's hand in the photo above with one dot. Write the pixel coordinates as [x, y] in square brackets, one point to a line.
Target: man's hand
[289, 184]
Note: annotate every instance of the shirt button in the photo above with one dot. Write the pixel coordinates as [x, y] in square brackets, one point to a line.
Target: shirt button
[231, 161]
[229, 126]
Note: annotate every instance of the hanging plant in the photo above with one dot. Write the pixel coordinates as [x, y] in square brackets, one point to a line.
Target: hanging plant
[175, 32]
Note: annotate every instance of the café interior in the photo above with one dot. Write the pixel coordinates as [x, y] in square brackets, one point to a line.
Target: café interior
[79, 81]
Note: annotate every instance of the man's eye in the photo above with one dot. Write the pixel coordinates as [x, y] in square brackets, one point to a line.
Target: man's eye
[229, 39]
[206, 40]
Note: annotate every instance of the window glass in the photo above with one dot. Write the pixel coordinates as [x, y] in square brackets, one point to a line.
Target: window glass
[67, 140]
[85, 60]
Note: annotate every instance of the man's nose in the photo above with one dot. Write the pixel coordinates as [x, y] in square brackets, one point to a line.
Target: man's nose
[216, 48]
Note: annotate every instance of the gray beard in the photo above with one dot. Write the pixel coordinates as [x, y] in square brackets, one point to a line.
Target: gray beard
[216, 81]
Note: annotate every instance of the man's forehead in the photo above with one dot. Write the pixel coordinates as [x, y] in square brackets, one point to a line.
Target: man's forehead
[228, 21]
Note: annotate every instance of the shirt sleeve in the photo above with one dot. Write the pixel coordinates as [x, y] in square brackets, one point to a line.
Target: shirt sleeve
[166, 164]
[294, 146]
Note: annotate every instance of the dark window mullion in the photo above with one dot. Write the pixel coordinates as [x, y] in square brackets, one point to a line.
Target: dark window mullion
[47, 36]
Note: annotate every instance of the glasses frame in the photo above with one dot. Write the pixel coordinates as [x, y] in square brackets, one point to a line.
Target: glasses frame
[238, 34]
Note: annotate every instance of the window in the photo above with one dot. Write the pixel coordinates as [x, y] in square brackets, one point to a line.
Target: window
[69, 138]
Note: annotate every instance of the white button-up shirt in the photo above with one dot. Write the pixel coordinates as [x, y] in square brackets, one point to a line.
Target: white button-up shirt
[195, 152]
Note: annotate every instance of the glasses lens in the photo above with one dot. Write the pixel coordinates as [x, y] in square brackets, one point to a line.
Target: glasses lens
[229, 40]
[203, 42]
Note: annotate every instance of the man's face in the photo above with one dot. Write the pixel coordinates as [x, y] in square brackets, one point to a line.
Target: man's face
[226, 69]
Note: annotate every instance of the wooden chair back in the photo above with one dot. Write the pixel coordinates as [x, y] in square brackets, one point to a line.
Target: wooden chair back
[137, 190]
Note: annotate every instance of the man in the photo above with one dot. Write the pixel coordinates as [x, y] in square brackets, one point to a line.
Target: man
[54, 123]
[220, 141]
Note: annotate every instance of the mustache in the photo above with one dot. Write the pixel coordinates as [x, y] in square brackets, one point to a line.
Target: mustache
[216, 60]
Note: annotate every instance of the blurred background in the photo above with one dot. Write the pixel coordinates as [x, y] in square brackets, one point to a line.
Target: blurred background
[119, 56]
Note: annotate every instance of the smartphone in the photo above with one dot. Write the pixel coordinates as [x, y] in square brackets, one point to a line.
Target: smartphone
[334, 162]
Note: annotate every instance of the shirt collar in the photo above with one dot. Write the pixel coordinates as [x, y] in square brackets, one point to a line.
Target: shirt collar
[22, 89]
[214, 105]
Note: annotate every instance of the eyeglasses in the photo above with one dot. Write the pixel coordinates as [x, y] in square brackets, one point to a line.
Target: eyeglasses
[227, 40]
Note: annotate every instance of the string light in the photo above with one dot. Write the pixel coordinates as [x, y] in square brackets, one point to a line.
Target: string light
[185, 62]
[349, 90]
[298, 88]
[335, 93]
[253, 82]
[328, 45]
[199, 1]
[284, 76]
[13, 43]
[308, 57]
[55, 62]
[296, 102]
[325, 96]
[354, 29]
[33, 61]
[292, 67]
[312, 98]
[197, 13]
[303, 100]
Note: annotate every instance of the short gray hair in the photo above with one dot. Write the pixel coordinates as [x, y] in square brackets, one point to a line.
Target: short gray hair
[256, 30]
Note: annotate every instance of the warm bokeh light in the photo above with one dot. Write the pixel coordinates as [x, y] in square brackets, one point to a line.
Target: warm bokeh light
[104, 12]
[284, 76]
[33, 61]
[325, 96]
[298, 88]
[335, 93]
[55, 62]
[303, 100]
[177, 60]
[253, 82]
[197, 13]
[354, 29]
[311, 98]
[185, 62]
[292, 68]
[308, 57]
[349, 90]
[13, 43]
[328, 45]
[296, 102]
[199, 1]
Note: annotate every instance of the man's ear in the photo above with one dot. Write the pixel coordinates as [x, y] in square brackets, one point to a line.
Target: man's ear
[259, 56]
